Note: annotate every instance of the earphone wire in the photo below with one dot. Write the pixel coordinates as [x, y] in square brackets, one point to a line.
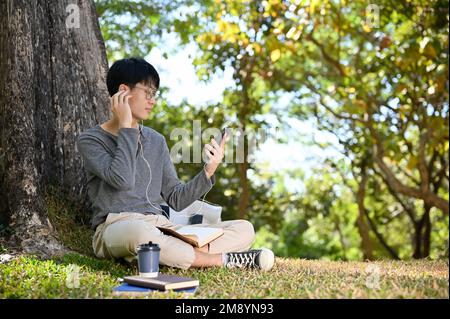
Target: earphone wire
[203, 199]
[150, 180]
[150, 177]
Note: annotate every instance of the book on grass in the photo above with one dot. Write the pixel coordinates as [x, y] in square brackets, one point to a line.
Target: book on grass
[127, 290]
[162, 282]
[194, 235]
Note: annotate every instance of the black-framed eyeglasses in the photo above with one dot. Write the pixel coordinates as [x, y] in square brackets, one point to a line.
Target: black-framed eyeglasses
[150, 94]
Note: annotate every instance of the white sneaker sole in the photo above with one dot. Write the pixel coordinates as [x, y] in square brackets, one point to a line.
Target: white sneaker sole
[266, 259]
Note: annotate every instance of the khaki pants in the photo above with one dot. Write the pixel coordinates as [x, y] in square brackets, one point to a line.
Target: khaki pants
[121, 233]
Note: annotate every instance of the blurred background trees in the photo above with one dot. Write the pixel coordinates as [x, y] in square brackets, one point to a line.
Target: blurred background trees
[372, 75]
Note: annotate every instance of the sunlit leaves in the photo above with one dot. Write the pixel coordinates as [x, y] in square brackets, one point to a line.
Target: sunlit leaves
[275, 55]
[340, 68]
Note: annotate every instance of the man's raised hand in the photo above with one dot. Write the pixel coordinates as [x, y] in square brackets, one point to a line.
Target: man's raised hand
[121, 109]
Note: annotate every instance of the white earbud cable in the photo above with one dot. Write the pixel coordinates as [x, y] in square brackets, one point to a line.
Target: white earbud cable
[150, 180]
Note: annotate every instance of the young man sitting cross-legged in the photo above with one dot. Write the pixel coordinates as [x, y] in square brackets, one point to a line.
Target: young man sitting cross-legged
[120, 155]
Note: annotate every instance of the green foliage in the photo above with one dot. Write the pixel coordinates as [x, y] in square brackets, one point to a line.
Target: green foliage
[379, 86]
[133, 28]
[265, 209]
[320, 222]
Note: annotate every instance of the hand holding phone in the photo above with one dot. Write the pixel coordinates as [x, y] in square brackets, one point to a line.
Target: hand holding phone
[215, 152]
[219, 137]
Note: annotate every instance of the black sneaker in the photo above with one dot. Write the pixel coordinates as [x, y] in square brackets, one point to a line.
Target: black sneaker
[255, 258]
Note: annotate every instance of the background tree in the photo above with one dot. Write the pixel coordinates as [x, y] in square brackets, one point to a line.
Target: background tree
[133, 28]
[53, 68]
[393, 92]
[381, 87]
[377, 80]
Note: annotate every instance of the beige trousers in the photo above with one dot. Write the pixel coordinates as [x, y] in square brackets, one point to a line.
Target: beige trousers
[121, 233]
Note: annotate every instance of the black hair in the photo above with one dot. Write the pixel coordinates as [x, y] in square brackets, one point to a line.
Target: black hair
[131, 71]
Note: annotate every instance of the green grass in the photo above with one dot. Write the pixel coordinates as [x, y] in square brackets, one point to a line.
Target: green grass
[28, 277]
[73, 231]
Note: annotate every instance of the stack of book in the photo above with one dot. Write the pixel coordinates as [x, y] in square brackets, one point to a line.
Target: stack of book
[139, 286]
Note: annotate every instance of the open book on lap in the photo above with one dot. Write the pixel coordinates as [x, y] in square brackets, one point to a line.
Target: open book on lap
[195, 235]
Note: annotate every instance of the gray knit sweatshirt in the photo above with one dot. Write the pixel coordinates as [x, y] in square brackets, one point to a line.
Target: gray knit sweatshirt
[117, 176]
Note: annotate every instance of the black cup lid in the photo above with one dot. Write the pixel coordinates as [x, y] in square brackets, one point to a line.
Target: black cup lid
[150, 246]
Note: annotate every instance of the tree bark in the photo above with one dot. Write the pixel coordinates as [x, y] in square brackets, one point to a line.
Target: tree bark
[424, 193]
[53, 88]
[426, 233]
[341, 239]
[363, 229]
[381, 239]
[422, 235]
[244, 197]
[421, 242]
[245, 193]
[417, 254]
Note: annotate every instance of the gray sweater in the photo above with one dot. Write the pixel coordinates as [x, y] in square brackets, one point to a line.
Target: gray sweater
[117, 176]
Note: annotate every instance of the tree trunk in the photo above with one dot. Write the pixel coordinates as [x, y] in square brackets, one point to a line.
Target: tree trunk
[245, 193]
[244, 197]
[417, 254]
[341, 238]
[422, 235]
[363, 229]
[380, 238]
[429, 197]
[53, 87]
[366, 244]
[427, 232]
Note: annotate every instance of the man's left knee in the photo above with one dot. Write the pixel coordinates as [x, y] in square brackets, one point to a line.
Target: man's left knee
[246, 228]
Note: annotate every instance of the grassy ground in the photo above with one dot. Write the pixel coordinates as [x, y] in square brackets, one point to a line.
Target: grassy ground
[29, 277]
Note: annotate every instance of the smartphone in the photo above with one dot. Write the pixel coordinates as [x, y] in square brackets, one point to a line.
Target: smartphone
[220, 137]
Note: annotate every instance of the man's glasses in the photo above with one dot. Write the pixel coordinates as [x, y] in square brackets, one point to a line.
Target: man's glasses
[150, 94]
